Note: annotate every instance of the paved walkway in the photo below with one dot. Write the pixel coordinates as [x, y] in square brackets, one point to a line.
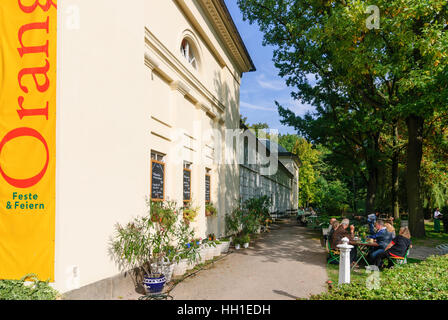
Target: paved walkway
[287, 263]
[421, 252]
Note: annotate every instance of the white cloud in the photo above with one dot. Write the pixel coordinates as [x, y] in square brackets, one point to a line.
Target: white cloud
[256, 107]
[276, 85]
[299, 109]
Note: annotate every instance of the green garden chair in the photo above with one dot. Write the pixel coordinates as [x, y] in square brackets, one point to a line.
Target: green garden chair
[399, 261]
[334, 255]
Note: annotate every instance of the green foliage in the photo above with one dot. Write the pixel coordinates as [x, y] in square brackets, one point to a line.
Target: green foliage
[427, 280]
[309, 157]
[190, 213]
[19, 290]
[131, 244]
[210, 210]
[233, 221]
[148, 240]
[237, 241]
[331, 197]
[248, 217]
[256, 212]
[362, 81]
[162, 212]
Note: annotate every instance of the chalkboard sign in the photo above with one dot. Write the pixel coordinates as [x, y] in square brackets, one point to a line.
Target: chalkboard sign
[207, 188]
[157, 181]
[187, 185]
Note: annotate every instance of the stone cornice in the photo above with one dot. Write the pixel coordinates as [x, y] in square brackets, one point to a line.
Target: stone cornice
[181, 87]
[225, 27]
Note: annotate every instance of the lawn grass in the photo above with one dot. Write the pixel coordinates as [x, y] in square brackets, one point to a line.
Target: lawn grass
[358, 274]
[431, 239]
[416, 280]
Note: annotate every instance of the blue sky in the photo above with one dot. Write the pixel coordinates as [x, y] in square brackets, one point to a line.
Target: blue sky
[261, 88]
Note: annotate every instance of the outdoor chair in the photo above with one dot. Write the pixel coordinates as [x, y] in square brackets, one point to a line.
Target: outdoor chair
[334, 254]
[399, 261]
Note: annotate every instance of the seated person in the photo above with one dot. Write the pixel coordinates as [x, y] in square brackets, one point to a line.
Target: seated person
[382, 238]
[342, 232]
[330, 228]
[301, 216]
[371, 220]
[334, 225]
[397, 248]
[390, 228]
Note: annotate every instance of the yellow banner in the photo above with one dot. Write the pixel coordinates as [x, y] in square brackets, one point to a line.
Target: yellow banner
[27, 137]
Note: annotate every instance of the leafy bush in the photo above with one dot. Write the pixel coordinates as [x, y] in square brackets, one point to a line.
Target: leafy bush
[233, 223]
[331, 196]
[210, 210]
[144, 244]
[427, 280]
[248, 217]
[19, 290]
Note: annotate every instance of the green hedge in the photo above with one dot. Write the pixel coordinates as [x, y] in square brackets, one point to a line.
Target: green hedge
[34, 290]
[427, 280]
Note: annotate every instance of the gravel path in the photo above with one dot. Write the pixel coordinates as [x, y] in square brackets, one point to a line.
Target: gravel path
[287, 263]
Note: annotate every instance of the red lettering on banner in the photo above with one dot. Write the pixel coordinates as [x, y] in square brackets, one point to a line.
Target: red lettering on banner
[35, 49]
[31, 112]
[29, 9]
[24, 132]
[35, 71]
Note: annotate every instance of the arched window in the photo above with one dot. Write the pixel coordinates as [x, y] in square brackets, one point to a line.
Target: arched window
[189, 53]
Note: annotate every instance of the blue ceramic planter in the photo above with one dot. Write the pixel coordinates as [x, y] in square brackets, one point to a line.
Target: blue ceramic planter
[154, 285]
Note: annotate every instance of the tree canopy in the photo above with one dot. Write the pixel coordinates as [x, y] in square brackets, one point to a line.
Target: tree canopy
[365, 83]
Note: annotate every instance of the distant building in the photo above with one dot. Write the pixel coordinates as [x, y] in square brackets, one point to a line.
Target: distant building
[268, 169]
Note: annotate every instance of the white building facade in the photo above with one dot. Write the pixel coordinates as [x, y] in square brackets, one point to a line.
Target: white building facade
[140, 82]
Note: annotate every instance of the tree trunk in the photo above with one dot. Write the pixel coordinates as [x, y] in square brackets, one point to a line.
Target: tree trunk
[414, 158]
[355, 195]
[395, 180]
[372, 183]
[371, 191]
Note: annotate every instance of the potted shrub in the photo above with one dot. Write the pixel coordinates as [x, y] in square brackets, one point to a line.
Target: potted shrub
[245, 240]
[225, 245]
[160, 265]
[210, 210]
[237, 243]
[185, 251]
[193, 249]
[217, 249]
[162, 212]
[131, 249]
[144, 246]
[190, 213]
[208, 249]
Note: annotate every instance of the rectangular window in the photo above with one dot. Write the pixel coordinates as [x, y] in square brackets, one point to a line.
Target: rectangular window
[187, 182]
[207, 185]
[157, 177]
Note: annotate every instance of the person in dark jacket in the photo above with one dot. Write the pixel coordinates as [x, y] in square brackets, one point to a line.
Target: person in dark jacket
[396, 249]
[382, 238]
